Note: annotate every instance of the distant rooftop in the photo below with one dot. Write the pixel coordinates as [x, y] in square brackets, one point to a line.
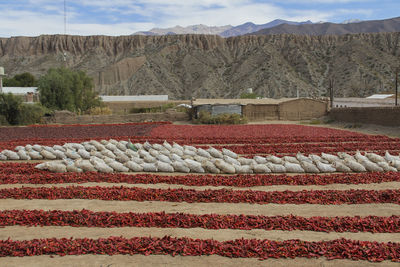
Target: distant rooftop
[262, 101]
[19, 90]
[380, 96]
[130, 98]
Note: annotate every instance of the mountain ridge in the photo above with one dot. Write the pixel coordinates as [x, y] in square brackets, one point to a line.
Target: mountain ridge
[328, 28]
[209, 66]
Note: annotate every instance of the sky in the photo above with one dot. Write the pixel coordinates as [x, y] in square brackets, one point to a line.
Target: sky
[125, 17]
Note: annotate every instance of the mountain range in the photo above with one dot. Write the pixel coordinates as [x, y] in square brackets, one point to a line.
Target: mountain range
[210, 66]
[279, 26]
[327, 28]
[224, 31]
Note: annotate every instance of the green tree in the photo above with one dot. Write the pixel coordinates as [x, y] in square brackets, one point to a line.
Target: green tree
[10, 107]
[64, 88]
[21, 80]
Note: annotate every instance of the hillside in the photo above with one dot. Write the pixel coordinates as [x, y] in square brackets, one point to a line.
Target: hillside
[371, 26]
[203, 66]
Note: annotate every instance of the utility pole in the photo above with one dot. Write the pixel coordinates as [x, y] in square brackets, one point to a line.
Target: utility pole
[397, 78]
[331, 82]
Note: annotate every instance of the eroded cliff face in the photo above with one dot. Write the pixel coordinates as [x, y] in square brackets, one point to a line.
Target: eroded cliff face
[185, 66]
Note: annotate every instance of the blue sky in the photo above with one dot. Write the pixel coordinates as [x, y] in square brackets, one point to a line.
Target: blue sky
[124, 17]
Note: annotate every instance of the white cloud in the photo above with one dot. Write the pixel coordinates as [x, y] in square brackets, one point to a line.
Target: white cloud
[124, 17]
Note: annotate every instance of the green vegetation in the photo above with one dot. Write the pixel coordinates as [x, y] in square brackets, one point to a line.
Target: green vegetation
[161, 108]
[20, 80]
[249, 96]
[65, 89]
[206, 118]
[10, 107]
[99, 111]
[13, 111]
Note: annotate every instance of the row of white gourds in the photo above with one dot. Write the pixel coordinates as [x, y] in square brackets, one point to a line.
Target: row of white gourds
[123, 156]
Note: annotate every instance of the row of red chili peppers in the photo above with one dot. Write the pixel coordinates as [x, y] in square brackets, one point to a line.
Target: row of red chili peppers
[324, 197]
[87, 218]
[25, 173]
[239, 248]
[199, 141]
[99, 124]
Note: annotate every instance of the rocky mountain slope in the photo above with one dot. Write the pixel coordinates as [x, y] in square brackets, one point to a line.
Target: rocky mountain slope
[185, 66]
[371, 26]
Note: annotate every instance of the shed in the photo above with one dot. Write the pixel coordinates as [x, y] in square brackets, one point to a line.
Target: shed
[266, 108]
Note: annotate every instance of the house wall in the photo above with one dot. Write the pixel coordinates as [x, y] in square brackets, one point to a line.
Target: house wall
[261, 112]
[302, 109]
[387, 116]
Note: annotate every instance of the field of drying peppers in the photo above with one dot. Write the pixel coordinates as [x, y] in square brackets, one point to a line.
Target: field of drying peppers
[117, 219]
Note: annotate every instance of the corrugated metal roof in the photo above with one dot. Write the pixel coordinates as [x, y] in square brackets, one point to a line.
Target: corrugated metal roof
[263, 101]
[19, 90]
[129, 98]
[380, 96]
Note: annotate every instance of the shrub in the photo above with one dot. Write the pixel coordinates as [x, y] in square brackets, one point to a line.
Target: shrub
[248, 96]
[10, 107]
[99, 111]
[161, 108]
[63, 88]
[206, 118]
[31, 113]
